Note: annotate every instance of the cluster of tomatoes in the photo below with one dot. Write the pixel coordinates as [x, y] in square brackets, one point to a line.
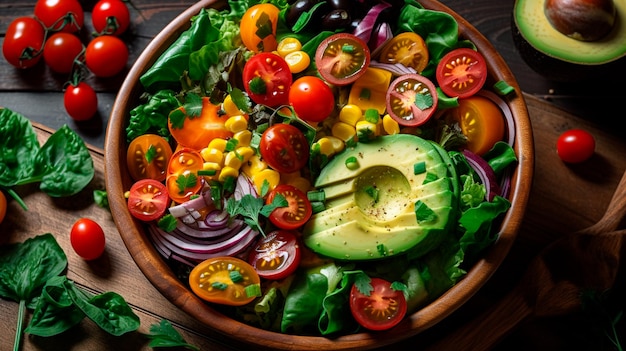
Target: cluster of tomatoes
[53, 34]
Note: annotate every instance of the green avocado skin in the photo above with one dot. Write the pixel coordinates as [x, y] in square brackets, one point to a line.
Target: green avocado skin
[355, 226]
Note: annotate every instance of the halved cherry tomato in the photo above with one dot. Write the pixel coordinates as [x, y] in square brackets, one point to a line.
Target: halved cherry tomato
[311, 98]
[182, 179]
[148, 199]
[481, 121]
[411, 100]
[277, 255]
[296, 213]
[223, 280]
[284, 148]
[342, 58]
[267, 79]
[462, 72]
[258, 28]
[379, 309]
[575, 146]
[408, 49]
[23, 42]
[87, 239]
[148, 156]
[195, 132]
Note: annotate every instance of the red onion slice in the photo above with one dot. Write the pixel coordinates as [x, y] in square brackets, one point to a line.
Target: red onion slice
[486, 174]
[365, 28]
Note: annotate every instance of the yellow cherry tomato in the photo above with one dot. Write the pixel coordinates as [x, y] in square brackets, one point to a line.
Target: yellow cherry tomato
[258, 28]
[224, 280]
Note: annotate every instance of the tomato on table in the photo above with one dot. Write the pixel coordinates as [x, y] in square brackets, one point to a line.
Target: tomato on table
[23, 42]
[379, 309]
[87, 239]
[148, 156]
[342, 58]
[182, 180]
[80, 101]
[481, 121]
[3, 206]
[411, 100]
[312, 99]
[575, 146]
[267, 79]
[258, 28]
[110, 17]
[408, 49]
[61, 50]
[195, 131]
[60, 15]
[148, 200]
[224, 280]
[277, 255]
[296, 213]
[461, 73]
[284, 148]
[106, 56]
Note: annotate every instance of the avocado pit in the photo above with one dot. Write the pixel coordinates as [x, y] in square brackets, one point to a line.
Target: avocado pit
[586, 20]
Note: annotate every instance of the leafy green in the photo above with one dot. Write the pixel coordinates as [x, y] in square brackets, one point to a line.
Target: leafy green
[164, 335]
[101, 199]
[252, 208]
[18, 147]
[151, 116]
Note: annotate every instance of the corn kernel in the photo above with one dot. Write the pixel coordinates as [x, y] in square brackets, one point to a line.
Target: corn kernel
[212, 155]
[350, 114]
[338, 144]
[343, 131]
[227, 172]
[366, 130]
[269, 175]
[245, 153]
[232, 159]
[253, 166]
[326, 146]
[218, 144]
[243, 138]
[236, 123]
[229, 106]
[211, 166]
[390, 125]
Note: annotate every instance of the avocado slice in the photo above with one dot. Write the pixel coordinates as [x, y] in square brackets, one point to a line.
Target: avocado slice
[371, 209]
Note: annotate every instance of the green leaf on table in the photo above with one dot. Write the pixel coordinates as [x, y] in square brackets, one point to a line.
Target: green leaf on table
[164, 335]
[18, 147]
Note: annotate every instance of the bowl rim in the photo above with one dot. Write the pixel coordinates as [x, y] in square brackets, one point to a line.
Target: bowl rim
[152, 265]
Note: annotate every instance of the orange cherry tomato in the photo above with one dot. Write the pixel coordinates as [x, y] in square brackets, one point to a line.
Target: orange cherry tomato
[148, 156]
[182, 179]
[223, 280]
[195, 132]
[408, 49]
[481, 121]
[258, 28]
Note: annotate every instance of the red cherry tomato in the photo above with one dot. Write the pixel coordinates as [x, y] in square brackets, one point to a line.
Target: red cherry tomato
[258, 28]
[110, 17]
[411, 100]
[87, 239]
[575, 146]
[223, 280]
[379, 309]
[461, 73]
[267, 79]
[182, 178]
[277, 255]
[3, 206]
[61, 50]
[148, 199]
[342, 58]
[106, 56]
[23, 42]
[284, 147]
[60, 15]
[311, 98]
[80, 101]
[296, 213]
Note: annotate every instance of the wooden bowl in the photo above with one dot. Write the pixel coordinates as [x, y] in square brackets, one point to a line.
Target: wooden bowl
[161, 276]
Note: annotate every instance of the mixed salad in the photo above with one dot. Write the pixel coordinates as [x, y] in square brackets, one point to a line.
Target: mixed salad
[315, 167]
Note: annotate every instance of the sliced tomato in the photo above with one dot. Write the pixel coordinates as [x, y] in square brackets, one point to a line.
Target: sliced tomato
[147, 157]
[148, 199]
[411, 100]
[296, 213]
[461, 73]
[342, 58]
[223, 280]
[277, 255]
[408, 49]
[196, 132]
[258, 28]
[267, 79]
[379, 309]
[481, 121]
[182, 178]
[284, 148]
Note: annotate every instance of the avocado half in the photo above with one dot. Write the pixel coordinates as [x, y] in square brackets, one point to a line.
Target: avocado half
[559, 57]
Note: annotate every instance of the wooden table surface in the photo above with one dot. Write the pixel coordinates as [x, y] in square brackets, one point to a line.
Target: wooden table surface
[564, 198]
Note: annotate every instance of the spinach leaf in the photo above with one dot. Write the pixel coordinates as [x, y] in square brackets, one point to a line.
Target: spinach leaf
[111, 312]
[18, 147]
[164, 335]
[303, 305]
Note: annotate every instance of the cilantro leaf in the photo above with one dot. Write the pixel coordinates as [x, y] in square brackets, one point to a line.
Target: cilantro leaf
[186, 181]
[164, 335]
[423, 101]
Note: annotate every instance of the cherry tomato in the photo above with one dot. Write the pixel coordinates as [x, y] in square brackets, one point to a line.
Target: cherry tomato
[61, 50]
[284, 148]
[411, 100]
[342, 58]
[147, 157]
[258, 28]
[110, 17]
[267, 79]
[461, 73]
[87, 239]
[481, 121]
[196, 132]
[3, 206]
[575, 146]
[148, 199]
[80, 101]
[23, 42]
[224, 280]
[296, 213]
[408, 49]
[182, 174]
[311, 98]
[106, 56]
[380, 309]
[60, 15]
[277, 255]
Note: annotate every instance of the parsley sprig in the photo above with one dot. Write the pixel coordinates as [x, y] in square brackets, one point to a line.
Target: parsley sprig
[251, 208]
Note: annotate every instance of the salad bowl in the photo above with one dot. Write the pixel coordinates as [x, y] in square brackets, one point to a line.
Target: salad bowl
[140, 246]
